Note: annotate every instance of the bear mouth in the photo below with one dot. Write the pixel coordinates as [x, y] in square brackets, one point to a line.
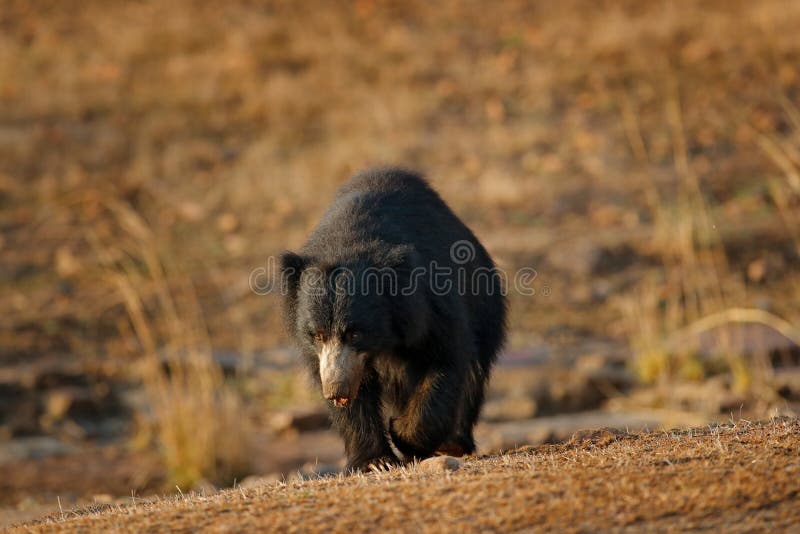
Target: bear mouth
[341, 402]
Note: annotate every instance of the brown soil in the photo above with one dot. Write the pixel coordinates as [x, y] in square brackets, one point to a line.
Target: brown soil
[737, 477]
[93, 471]
[32, 488]
[35, 487]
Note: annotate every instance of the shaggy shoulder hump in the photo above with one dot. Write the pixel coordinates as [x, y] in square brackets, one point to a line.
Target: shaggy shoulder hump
[385, 179]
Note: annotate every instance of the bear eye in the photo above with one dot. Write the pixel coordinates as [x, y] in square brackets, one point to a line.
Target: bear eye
[319, 336]
[353, 336]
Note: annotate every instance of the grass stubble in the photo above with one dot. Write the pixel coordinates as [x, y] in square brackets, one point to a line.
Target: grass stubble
[740, 477]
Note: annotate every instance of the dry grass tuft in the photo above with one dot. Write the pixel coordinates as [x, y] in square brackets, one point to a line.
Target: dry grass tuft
[696, 291]
[784, 152]
[199, 420]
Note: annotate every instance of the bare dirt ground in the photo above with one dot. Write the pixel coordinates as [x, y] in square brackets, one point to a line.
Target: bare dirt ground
[740, 477]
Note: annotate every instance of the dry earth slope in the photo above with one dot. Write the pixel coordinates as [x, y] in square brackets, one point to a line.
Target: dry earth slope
[738, 477]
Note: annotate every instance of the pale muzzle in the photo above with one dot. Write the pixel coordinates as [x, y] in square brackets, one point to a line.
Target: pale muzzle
[340, 371]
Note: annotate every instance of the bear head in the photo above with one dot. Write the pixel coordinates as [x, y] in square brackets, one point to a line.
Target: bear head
[342, 314]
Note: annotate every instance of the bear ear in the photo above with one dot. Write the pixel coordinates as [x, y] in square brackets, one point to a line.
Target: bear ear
[411, 311]
[292, 266]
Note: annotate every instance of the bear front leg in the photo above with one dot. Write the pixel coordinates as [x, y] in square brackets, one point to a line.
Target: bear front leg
[361, 427]
[429, 418]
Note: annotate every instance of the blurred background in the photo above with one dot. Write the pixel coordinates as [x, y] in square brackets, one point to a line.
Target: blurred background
[642, 157]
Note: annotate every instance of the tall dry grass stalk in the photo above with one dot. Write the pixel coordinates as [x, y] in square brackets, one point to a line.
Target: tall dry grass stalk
[785, 190]
[198, 418]
[696, 292]
[785, 154]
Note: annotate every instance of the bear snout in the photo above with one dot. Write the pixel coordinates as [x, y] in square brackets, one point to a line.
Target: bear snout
[340, 370]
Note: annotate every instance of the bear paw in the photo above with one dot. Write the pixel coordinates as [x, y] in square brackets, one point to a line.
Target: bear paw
[378, 465]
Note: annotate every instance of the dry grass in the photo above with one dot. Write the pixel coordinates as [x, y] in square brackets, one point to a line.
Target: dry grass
[784, 151]
[739, 477]
[696, 291]
[695, 271]
[199, 420]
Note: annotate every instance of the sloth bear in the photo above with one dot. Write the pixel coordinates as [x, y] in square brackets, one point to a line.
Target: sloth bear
[399, 312]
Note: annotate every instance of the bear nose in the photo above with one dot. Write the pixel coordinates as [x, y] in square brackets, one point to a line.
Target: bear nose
[335, 390]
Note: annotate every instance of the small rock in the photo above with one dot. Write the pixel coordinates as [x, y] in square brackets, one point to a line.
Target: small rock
[440, 464]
